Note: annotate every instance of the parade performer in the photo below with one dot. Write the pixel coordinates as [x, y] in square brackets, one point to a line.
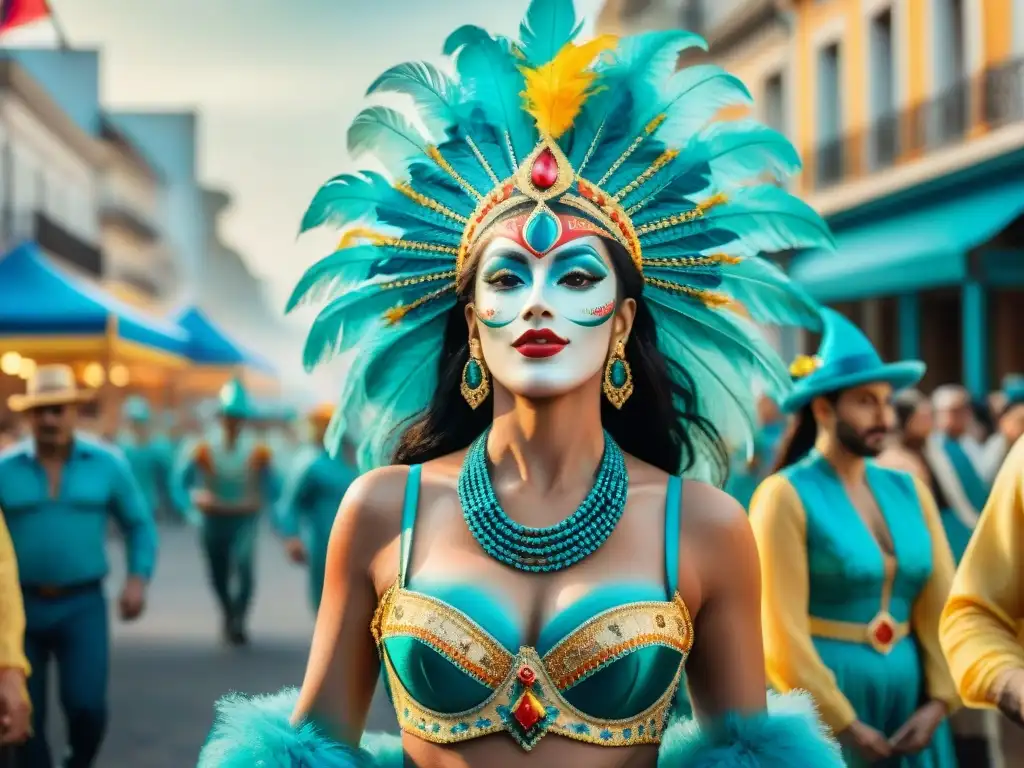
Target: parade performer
[1009, 419]
[15, 712]
[544, 307]
[980, 626]
[855, 566]
[310, 502]
[948, 453]
[57, 490]
[150, 455]
[229, 478]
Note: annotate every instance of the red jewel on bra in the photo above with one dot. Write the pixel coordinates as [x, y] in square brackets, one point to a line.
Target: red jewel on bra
[544, 173]
[527, 676]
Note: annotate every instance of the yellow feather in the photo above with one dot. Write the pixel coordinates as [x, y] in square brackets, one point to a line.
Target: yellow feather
[556, 91]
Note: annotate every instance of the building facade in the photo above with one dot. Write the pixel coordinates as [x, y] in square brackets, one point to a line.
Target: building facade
[140, 267]
[50, 165]
[909, 115]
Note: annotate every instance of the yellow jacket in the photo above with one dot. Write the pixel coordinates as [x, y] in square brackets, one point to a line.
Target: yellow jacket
[12, 609]
[980, 628]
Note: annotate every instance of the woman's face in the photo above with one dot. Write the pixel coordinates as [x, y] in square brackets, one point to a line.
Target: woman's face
[547, 322]
[919, 425]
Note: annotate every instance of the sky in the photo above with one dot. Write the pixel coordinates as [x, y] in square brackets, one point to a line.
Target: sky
[275, 85]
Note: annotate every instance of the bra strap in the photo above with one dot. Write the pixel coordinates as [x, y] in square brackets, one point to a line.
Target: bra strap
[673, 500]
[412, 497]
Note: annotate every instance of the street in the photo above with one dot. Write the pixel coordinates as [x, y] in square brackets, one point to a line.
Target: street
[170, 667]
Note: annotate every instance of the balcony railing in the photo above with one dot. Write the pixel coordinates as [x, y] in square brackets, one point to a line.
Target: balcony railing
[59, 241]
[992, 99]
[121, 209]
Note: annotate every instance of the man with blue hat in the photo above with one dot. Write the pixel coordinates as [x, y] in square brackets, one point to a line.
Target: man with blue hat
[855, 563]
[58, 489]
[230, 479]
[149, 454]
[310, 502]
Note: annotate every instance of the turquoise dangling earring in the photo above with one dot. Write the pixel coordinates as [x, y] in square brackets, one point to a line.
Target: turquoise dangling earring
[618, 378]
[476, 383]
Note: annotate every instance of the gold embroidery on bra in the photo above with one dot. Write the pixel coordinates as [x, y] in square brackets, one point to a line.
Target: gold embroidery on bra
[529, 710]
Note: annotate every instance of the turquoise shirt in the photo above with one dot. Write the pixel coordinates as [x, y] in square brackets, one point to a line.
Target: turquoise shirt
[61, 540]
[151, 464]
[743, 480]
[312, 495]
[231, 480]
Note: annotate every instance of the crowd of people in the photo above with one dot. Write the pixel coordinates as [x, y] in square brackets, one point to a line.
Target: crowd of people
[60, 486]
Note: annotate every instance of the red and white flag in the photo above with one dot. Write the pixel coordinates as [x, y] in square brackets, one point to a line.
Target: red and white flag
[28, 23]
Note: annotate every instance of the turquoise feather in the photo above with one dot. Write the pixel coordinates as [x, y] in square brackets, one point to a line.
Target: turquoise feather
[742, 151]
[695, 95]
[389, 136]
[547, 27]
[350, 265]
[346, 199]
[491, 78]
[437, 97]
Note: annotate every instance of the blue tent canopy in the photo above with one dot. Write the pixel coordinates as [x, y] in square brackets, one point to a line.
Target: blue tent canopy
[209, 345]
[36, 299]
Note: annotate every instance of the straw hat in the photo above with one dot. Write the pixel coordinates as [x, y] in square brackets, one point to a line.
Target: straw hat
[50, 385]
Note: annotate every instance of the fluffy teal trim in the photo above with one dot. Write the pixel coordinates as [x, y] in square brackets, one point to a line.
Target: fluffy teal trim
[788, 733]
[255, 732]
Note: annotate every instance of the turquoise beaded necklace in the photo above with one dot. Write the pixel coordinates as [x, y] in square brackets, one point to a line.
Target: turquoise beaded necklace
[542, 549]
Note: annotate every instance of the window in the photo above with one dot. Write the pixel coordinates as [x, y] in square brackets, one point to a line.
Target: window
[775, 102]
[948, 115]
[830, 117]
[884, 125]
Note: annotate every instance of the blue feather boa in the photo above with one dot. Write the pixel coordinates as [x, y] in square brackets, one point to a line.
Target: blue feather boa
[253, 732]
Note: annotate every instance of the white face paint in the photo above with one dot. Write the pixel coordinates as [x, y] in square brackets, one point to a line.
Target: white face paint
[543, 320]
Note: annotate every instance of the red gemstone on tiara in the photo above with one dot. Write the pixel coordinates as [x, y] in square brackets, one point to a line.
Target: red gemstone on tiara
[544, 173]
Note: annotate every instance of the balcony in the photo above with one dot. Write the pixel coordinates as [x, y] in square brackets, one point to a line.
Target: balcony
[119, 209]
[990, 100]
[58, 241]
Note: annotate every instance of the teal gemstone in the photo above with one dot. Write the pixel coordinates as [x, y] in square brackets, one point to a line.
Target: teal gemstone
[541, 231]
[618, 376]
[474, 376]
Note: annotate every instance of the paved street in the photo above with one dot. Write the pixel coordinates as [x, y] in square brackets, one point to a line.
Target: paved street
[170, 667]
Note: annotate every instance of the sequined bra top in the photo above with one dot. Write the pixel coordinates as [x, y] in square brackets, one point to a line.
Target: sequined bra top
[605, 670]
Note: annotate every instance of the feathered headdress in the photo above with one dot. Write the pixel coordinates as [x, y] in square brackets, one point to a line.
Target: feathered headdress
[609, 128]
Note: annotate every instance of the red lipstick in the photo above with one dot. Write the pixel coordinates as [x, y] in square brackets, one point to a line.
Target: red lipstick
[540, 342]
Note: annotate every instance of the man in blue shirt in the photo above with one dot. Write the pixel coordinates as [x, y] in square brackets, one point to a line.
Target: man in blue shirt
[57, 490]
[149, 454]
[228, 479]
[310, 502]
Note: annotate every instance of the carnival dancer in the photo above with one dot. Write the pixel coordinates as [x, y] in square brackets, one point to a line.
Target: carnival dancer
[948, 452]
[15, 710]
[747, 473]
[855, 566]
[543, 304]
[57, 490]
[980, 630]
[149, 454]
[310, 502]
[230, 479]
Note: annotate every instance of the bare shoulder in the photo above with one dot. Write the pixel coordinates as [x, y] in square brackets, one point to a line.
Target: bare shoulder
[370, 516]
[711, 514]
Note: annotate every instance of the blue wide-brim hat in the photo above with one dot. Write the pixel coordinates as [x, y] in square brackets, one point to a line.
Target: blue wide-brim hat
[845, 359]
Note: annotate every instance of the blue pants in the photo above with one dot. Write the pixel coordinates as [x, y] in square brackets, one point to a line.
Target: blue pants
[229, 544]
[72, 631]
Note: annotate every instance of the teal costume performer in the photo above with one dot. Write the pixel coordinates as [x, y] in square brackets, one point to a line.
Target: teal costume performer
[60, 539]
[309, 504]
[151, 456]
[746, 475]
[843, 619]
[628, 145]
[231, 479]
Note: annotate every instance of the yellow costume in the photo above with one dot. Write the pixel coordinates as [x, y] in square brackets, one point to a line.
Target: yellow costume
[12, 610]
[807, 644]
[980, 625]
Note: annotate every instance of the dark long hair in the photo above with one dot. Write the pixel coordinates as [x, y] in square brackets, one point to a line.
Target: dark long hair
[800, 436]
[659, 424]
